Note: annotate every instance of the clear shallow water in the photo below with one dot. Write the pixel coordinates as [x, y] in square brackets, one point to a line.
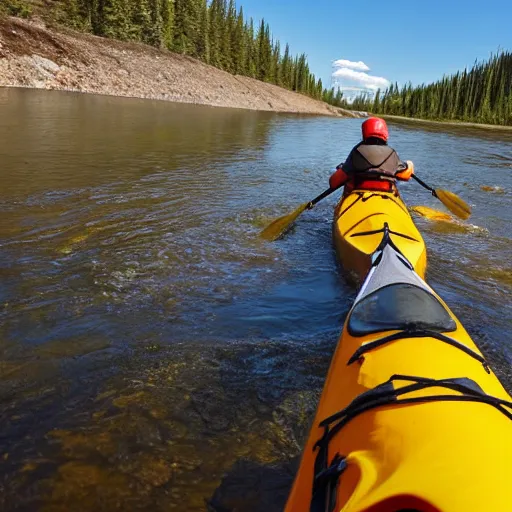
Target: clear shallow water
[150, 343]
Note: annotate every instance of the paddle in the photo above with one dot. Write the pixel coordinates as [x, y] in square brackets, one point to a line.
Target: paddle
[453, 202]
[278, 227]
[431, 213]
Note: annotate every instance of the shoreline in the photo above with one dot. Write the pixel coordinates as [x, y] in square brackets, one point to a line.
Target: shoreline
[454, 124]
[36, 56]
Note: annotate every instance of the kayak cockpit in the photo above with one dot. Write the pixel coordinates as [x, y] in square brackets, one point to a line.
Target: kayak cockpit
[400, 306]
[394, 297]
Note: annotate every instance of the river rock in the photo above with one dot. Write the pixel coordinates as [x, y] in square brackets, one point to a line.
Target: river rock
[45, 64]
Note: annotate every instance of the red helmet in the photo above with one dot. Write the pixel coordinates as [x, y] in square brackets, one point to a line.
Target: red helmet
[375, 127]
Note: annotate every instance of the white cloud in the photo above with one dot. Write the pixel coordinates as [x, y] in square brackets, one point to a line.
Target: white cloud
[358, 66]
[363, 79]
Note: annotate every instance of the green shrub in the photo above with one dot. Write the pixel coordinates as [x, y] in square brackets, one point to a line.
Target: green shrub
[18, 8]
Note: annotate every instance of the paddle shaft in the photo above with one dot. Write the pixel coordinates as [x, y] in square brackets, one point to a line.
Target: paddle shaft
[423, 184]
[329, 191]
[323, 195]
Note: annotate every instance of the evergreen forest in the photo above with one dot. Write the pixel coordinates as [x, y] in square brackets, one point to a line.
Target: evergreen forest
[482, 94]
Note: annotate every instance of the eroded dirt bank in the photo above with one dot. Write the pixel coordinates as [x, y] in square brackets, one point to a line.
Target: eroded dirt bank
[34, 55]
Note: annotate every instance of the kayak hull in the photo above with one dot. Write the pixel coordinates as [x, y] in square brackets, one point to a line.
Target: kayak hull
[433, 449]
[359, 221]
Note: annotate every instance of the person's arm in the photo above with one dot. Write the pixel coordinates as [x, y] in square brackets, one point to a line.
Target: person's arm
[338, 178]
[343, 172]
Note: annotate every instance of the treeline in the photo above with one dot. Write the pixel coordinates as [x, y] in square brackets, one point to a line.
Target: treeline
[214, 31]
[481, 95]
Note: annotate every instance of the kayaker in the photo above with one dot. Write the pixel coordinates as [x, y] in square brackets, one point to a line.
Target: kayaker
[372, 164]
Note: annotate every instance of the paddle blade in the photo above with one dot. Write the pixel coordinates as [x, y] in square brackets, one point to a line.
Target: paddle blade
[431, 214]
[454, 203]
[278, 227]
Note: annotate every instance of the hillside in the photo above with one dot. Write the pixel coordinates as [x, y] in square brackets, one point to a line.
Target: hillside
[33, 55]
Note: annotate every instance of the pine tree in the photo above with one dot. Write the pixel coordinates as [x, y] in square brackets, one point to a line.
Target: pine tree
[224, 39]
[485, 108]
[264, 52]
[286, 68]
[376, 102]
[187, 24]
[155, 33]
[141, 22]
[167, 15]
[77, 15]
[214, 32]
[252, 51]
[276, 70]
[302, 74]
[319, 89]
[115, 19]
[338, 98]
[228, 39]
[239, 45]
[203, 43]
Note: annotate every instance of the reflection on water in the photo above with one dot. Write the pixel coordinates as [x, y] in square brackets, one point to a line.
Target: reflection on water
[150, 343]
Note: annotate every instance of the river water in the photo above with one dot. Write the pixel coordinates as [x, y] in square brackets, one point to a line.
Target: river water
[151, 344]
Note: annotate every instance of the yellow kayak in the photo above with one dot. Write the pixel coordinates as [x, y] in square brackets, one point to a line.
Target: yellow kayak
[359, 222]
[411, 418]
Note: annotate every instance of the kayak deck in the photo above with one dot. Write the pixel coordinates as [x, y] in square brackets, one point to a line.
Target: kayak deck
[359, 223]
[411, 417]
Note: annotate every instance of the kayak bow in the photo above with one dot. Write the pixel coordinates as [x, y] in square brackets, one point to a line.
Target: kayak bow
[411, 418]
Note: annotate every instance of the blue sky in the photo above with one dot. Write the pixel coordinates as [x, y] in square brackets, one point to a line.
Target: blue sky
[398, 40]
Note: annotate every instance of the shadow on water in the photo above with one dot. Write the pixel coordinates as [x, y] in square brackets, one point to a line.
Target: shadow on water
[154, 353]
[162, 428]
[254, 487]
